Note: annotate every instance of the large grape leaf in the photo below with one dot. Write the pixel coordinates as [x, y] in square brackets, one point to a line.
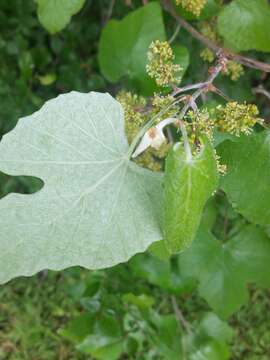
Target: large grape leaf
[223, 269]
[248, 177]
[96, 208]
[54, 15]
[188, 185]
[124, 44]
[244, 24]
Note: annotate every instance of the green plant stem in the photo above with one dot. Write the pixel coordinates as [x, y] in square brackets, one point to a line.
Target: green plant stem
[174, 35]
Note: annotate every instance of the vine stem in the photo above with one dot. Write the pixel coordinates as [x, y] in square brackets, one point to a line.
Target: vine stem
[179, 315]
[246, 61]
[190, 100]
[174, 35]
[183, 323]
[205, 86]
[261, 90]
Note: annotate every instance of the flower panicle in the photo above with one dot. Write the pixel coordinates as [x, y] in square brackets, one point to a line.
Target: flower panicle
[193, 6]
[161, 67]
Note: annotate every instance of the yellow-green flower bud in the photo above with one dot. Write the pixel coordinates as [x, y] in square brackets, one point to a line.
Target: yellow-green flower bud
[236, 118]
[193, 6]
[161, 66]
[234, 70]
[207, 55]
[133, 107]
[201, 123]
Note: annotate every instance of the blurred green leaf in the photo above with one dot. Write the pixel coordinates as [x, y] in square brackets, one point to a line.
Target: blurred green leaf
[223, 269]
[244, 25]
[142, 301]
[54, 15]
[79, 328]
[124, 44]
[105, 342]
[246, 185]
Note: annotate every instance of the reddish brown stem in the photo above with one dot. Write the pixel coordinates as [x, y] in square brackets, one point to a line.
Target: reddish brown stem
[246, 61]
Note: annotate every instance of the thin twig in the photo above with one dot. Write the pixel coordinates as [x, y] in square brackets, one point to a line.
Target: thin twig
[178, 90]
[246, 61]
[110, 10]
[190, 101]
[221, 93]
[179, 316]
[261, 90]
[174, 35]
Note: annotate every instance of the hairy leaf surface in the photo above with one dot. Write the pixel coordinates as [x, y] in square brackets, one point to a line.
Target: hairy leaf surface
[244, 24]
[188, 185]
[96, 208]
[54, 15]
[223, 269]
[247, 182]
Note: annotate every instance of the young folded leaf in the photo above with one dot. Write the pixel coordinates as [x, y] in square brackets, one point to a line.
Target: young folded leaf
[188, 185]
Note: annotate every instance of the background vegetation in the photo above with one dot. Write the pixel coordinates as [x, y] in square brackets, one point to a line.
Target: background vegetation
[138, 310]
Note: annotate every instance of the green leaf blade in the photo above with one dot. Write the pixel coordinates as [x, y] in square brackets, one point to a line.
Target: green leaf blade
[188, 185]
[96, 208]
[224, 269]
[248, 177]
[54, 15]
[244, 25]
[124, 44]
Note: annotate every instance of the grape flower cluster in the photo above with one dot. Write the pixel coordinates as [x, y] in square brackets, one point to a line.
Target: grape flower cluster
[236, 118]
[136, 114]
[232, 68]
[193, 6]
[161, 66]
[233, 118]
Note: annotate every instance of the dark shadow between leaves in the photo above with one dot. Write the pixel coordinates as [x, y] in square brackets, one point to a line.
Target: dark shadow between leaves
[19, 184]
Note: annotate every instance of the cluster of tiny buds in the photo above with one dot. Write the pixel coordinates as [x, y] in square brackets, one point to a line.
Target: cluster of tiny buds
[193, 6]
[136, 113]
[132, 105]
[233, 118]
[222, 168]
[232, 68]
[200, 123]
[208, 29]
[160, 103]
[161, 66]
[236, 118]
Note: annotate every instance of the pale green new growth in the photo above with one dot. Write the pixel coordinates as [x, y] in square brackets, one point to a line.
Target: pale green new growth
[54, 15]
[96, 209]
[188, 185]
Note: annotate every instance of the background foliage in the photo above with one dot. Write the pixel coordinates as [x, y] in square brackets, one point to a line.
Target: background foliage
[138, 310]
